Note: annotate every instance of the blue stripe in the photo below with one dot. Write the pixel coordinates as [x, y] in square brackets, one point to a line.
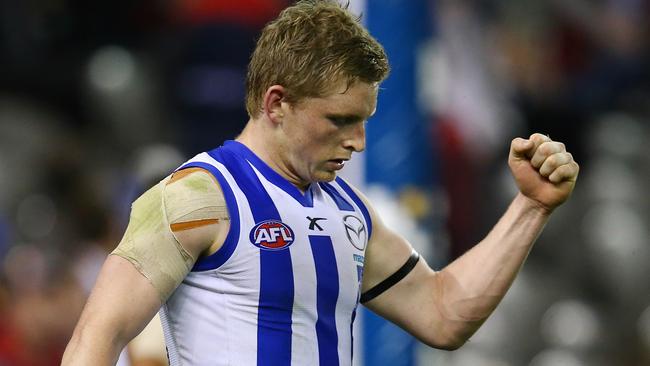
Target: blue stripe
[306, 199]
[276, 271]
[342, 204]
[220, 257]
[327, 293]
[357, 200]
[275, 307]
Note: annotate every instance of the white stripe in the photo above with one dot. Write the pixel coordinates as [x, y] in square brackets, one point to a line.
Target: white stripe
[226, 335]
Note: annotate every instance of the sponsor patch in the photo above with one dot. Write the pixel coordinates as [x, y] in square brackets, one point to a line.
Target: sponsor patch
[356, 231]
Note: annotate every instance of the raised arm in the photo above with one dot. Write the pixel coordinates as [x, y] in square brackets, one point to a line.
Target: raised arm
[443, 309]
[163, 240]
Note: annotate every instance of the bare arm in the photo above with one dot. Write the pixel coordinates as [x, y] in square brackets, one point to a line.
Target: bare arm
[443, 309]
[119, 307]
[127, 294]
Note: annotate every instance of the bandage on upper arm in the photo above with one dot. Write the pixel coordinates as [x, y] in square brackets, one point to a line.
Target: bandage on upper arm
[186, 200]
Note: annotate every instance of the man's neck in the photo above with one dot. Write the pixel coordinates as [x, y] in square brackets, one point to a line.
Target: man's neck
[261, 142]
[257, 140]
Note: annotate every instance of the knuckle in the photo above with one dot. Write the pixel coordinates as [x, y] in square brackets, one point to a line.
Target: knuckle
[538, 138]
[515, 141]
[546, 148]
[556, 159]
[550, 162]
[556, 147]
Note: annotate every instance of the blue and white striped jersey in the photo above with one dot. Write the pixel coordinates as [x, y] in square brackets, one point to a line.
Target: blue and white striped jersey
[284, 287]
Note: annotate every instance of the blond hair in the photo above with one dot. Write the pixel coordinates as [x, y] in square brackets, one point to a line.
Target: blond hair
[311, 46]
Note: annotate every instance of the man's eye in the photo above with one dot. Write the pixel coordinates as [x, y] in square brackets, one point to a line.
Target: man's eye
[342, 121]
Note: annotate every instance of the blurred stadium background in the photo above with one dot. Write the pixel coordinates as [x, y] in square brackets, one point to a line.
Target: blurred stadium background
[100, 99]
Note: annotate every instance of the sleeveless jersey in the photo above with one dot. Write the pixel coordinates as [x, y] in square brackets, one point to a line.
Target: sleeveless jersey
[284, 287]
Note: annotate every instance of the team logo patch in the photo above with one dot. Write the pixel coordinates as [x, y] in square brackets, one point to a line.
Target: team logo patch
[271, 235]
[356, 231]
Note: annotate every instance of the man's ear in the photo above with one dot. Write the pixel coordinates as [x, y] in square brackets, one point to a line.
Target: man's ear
[274, 98]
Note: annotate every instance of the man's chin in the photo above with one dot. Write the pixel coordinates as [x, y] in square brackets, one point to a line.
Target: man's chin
[325, 176]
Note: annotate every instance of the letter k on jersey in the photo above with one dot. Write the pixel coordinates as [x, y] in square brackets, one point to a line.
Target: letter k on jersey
[313, 223]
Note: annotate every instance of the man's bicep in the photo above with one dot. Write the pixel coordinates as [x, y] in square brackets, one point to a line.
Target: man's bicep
[386, 253]
[393, 266]
[402, 286]
[411, 304]
[398, 284]
[172, 225]
[386, 250]
[151, 247]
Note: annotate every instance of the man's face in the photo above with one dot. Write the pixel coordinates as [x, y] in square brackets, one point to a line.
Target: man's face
[320, 134]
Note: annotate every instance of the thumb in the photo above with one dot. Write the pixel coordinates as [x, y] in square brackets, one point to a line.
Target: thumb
[521, 148]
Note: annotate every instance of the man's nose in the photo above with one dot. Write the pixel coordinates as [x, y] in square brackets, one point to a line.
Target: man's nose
[356, 139]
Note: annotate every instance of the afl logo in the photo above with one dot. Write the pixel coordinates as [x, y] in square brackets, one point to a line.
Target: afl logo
[271, 235]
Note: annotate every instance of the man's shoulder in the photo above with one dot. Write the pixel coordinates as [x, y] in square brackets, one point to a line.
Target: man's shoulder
[192, 186]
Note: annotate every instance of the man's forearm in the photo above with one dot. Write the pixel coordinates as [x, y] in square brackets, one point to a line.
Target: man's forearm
[474, 284]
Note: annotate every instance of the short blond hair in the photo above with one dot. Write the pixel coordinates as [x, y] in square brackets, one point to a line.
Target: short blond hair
[308, 48]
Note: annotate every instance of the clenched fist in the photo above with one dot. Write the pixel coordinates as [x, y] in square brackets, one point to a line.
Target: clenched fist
[543, 170]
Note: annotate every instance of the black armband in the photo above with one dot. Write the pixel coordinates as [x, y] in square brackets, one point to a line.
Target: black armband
[393, 279]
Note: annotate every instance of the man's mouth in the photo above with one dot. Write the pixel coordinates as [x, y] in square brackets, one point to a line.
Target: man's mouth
[337, 164]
